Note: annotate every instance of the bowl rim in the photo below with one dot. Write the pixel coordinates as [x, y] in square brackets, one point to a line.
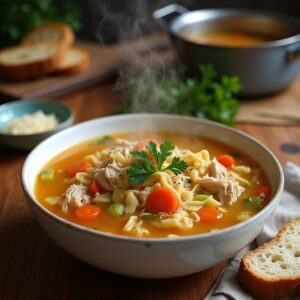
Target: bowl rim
[271, 15]
[61, 125]
[147, 240]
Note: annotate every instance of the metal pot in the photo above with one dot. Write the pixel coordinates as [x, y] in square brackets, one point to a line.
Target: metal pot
[263, 68]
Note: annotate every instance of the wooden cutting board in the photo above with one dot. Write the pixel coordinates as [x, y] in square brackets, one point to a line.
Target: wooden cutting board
[105, 62]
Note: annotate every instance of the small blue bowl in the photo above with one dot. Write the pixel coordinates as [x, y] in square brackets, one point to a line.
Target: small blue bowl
[17, 109]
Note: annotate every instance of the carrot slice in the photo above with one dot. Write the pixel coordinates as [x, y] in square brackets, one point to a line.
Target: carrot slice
[143, 143]
[209, 214]
[95, 187]
[88, 213]
[162, 200]
[78, 166]
[262, 191]
[226, 160]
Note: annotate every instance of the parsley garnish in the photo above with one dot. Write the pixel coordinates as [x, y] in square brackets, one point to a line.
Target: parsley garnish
[139, 172]
[207, 96]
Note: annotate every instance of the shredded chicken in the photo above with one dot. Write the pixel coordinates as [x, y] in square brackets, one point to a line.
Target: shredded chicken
[144, 194]
[126, 143]
[75, 196]
[221, 183]
[111, 176]
[211, 184]
[217, 170]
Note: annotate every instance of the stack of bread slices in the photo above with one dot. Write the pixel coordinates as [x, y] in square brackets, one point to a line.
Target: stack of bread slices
[44, 50]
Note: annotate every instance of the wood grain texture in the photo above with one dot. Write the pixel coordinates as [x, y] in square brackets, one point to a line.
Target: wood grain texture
[33, 267]
[278, 109]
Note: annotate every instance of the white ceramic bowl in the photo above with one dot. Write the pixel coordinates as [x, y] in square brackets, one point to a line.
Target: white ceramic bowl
[150, 257]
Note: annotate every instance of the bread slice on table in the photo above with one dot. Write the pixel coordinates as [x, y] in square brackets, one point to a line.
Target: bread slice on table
[31, 61]
[76, 61]
[57, 32]
[272, 271]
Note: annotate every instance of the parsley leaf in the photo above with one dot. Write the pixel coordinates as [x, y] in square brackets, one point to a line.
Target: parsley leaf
[176, 166]
[210, 96]
[139, 172]
[141, 155]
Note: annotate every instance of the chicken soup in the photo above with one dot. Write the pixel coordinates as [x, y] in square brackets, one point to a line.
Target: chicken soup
[229, 38]
[165, 185]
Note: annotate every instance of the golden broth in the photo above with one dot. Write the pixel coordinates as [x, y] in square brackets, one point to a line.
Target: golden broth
[115, 225]
[228, 38]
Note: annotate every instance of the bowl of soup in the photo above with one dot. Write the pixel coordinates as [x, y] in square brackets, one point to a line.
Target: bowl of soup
[143, 195]
[262, 48]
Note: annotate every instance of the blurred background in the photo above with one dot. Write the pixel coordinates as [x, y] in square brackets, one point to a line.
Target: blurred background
[108, 21]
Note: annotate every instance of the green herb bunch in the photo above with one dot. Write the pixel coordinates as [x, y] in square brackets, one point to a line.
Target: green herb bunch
[146, 166]
[17, 17]
[209, 97]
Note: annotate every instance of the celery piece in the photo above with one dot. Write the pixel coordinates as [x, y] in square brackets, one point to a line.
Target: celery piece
[243, 216]
[47, 175]
[116, 209]
[104, 140]
[253, 202]
[148, 216]
[201, 197]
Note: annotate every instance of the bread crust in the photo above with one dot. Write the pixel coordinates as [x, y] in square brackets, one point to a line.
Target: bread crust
[82, 66]
[264, 288]
[67, 39]
[33, 69]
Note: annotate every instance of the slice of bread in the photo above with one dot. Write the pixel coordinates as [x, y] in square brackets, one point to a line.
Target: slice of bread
[57, 32]
[31, 61]
[272, 271]
[76, 61]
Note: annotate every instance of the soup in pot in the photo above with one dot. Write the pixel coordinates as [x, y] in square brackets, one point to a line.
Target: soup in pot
[228, 38]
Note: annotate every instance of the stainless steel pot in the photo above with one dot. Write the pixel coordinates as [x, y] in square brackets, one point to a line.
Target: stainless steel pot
[263, 68]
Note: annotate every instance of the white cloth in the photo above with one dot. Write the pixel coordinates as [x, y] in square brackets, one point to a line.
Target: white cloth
[227, 287]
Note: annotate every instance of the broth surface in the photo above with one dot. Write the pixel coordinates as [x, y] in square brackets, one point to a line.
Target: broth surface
[228, 38]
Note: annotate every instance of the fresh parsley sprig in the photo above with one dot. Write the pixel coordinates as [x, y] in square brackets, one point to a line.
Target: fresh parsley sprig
[208, 96]
[139, 172]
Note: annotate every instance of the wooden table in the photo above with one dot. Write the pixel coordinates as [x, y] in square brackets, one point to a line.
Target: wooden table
[33, 267]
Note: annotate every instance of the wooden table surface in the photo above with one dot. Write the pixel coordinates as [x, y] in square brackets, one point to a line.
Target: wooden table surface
[33, 267]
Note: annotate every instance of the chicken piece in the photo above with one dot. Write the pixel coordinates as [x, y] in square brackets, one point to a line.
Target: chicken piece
[211, 184]
[102, 180]
[227, 191]
[217, 170]
[111, 176]
[233, 191]
[126, 143]
[144, 195]
[75, 196]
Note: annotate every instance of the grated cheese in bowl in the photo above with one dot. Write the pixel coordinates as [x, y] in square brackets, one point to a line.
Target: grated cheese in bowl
[31, 123]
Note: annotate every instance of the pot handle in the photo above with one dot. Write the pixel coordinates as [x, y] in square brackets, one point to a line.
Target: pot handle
[293, 55]
[166, 14]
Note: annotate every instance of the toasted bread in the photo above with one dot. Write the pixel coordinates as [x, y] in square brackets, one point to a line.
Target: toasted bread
[76, 61]
[57, 32]
[31, 61]
[272, 271]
